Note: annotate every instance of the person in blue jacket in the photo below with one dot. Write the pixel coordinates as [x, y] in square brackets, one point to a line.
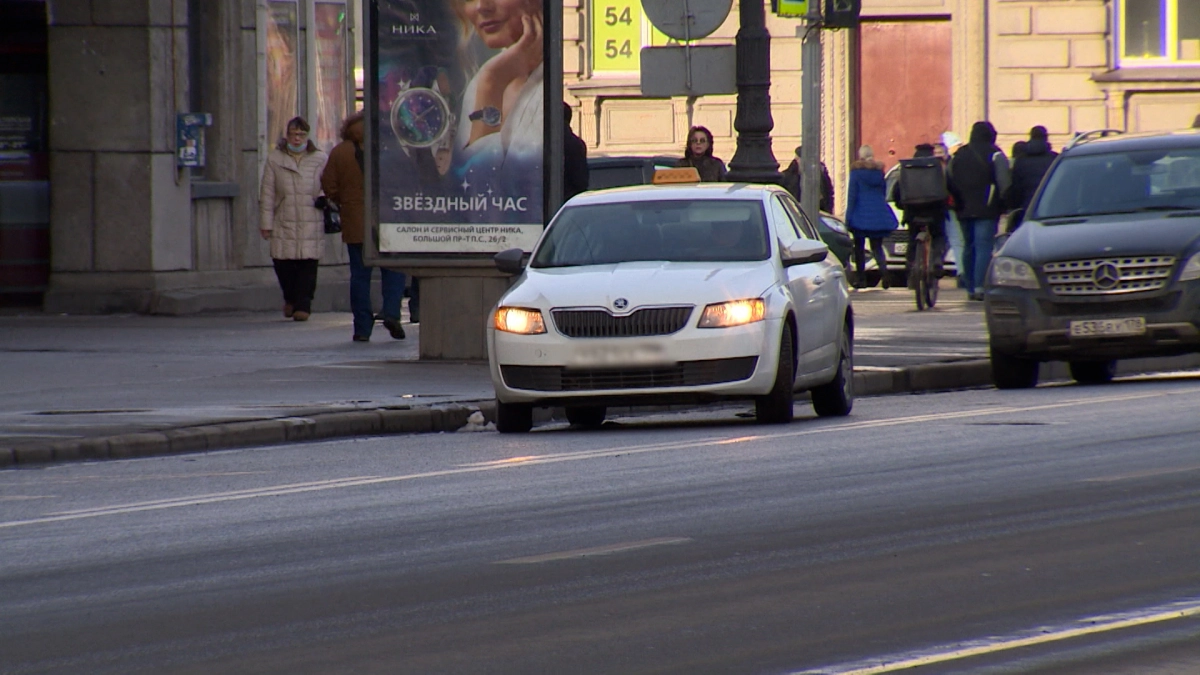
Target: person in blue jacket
[868, 215]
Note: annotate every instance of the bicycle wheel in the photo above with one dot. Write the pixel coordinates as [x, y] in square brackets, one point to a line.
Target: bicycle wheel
[931, 274]
[920, 273]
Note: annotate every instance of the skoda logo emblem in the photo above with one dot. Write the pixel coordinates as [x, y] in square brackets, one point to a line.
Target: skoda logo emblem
[1106, 276]
[620, 304]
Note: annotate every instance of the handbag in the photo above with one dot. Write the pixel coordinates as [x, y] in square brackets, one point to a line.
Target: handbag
[333, 215]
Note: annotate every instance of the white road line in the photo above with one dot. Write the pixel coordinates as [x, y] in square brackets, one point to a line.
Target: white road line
[554, 458]
[595, 551]
[1041, 635]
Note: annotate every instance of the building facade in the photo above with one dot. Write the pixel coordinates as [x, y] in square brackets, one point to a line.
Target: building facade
[99, 212]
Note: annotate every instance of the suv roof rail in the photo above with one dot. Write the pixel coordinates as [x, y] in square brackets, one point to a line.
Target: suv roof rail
[1085, 136]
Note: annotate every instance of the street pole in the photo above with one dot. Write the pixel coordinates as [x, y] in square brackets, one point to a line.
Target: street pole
[753, 161]
[810, 114]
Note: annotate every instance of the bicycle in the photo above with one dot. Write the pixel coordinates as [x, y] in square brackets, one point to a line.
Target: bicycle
[924, 273]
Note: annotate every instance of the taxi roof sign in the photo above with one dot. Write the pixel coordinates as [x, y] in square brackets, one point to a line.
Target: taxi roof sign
[683, 174]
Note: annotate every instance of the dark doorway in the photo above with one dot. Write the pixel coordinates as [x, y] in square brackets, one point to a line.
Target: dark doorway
[24, 153]
[904, 86]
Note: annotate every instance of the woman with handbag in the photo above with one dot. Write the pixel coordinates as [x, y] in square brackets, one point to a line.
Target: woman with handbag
[342, 181]
[288, 218]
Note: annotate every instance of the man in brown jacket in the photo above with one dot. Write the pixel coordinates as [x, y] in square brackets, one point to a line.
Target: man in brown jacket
[343, 183]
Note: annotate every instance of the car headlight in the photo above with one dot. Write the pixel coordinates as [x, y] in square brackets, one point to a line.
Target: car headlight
[733, 313]
[1191, 270]
[1013, 272]
[519, 320]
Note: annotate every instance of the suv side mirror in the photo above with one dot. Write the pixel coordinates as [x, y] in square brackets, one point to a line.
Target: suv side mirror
[510, 261]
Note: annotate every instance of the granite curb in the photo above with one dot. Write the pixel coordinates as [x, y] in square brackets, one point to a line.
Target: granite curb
[929, 377]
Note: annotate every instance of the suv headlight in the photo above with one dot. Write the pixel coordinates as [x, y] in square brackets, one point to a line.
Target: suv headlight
[1012, 272]
[519, 320]
[1191, 270]
[733, 313]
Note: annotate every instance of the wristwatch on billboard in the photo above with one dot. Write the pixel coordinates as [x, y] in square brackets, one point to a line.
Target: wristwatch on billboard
[421, 117]
[488, 114]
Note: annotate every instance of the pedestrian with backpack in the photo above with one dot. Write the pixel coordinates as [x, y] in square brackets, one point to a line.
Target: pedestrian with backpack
[978, 180]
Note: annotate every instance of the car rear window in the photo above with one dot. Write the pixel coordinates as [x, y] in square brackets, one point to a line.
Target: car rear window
[1121, 182]
[669, 231]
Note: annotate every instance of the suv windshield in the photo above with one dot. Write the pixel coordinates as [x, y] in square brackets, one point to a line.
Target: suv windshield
[670, 231]
[1122, 182]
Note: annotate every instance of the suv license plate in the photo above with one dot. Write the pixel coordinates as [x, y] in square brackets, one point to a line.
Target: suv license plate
[1102, 327]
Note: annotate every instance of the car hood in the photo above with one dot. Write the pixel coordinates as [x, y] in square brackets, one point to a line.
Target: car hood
[641, 284]
[1103, 236]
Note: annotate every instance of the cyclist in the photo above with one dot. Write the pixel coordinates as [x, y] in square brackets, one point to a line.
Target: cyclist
[931, 216]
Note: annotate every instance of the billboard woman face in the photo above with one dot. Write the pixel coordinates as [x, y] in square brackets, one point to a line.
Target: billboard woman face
[498, 22]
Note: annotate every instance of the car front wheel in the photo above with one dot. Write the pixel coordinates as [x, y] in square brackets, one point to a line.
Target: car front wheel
[513, 418]
[836, 398]
[1013, 372]
[777, 406]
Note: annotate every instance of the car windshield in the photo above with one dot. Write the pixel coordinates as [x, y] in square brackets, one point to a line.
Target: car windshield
[1122, 182]
[669, 231]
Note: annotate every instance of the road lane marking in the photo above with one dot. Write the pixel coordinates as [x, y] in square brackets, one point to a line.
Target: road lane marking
[595, 551]
[1042, 635]
[1142, 474]
[553, 458]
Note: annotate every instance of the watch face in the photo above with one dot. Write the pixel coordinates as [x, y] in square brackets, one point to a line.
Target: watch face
[420, 117]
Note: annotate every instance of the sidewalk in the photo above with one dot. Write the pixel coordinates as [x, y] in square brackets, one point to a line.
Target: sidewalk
[116, 386]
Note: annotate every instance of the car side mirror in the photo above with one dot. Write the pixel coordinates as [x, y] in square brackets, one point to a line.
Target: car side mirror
[510, 261]
[1014, 220]
[804, 251]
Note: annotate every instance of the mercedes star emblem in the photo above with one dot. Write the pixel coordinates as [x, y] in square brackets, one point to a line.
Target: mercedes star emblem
[1106, 276]
[620, 304]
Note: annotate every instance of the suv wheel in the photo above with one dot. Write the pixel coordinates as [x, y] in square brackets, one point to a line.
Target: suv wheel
[1013, 372]
[1093, 372]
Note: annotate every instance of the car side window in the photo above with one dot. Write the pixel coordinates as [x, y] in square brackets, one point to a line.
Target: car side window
[787, 230]
[806, 228]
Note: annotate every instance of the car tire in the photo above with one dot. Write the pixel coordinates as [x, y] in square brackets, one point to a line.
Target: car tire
[836, 398]
[1013, 372]
[514, 418]
[1093, 372]
[586, 415]
[777, 407]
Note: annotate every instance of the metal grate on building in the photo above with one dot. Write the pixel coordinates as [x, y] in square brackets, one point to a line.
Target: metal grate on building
[1109, 276]
[600, 323]
[684, 374]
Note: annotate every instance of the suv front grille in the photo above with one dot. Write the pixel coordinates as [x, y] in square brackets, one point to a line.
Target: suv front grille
[599, 323]
[1109, 276]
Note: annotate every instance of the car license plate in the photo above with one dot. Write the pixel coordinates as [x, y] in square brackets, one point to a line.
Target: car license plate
[1103, 327]
[901, 247]
[633, 354]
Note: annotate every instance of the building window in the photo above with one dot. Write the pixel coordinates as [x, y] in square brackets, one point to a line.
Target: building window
[619, 30]
[283, 66]
[330, 87]
[1158, 32]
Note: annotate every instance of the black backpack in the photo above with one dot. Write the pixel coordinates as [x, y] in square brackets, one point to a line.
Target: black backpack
[922, 182]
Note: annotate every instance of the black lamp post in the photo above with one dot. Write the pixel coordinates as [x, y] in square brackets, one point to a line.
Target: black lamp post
[753, 161]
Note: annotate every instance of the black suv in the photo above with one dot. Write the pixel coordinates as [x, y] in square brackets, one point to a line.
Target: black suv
[1105, 264]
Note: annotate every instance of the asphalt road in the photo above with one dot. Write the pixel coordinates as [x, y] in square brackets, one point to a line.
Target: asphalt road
[1042, 531]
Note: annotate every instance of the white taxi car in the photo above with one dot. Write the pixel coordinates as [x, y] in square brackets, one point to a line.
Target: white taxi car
[671, 294]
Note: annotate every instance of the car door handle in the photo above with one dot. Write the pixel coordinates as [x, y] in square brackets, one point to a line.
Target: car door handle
[817, 281]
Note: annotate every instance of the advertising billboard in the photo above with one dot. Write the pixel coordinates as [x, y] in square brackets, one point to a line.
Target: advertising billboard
[458, 125]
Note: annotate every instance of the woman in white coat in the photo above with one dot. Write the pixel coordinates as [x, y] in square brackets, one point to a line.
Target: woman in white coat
[287, 218]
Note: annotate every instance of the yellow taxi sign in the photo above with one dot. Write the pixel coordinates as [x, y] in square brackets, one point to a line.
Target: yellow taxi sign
[683, 174]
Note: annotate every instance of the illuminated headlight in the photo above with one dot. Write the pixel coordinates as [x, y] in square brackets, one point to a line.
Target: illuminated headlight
[1192, 269]
[1013, 272]
[519, 320]
[733, 313]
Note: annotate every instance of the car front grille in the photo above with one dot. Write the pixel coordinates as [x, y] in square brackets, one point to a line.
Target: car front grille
[599, 323]
[684, 374]
[1109, 276]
